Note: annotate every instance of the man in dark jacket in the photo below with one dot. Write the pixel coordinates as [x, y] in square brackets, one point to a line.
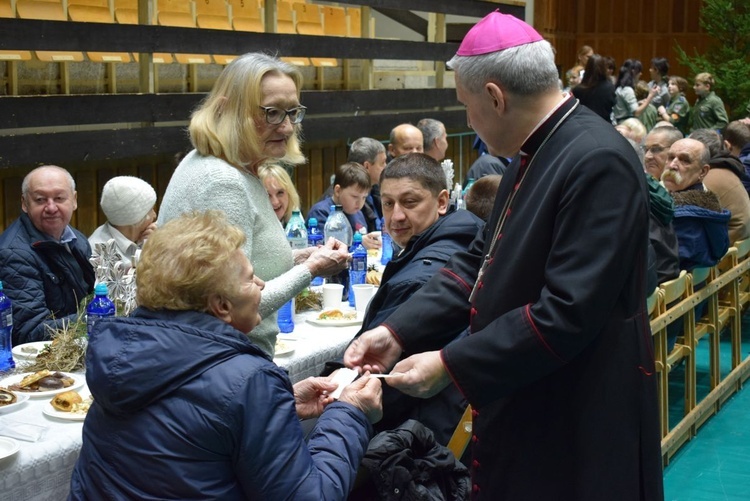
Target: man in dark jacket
[44, 262]
[558, 365]
[700, 223]
[420, 221]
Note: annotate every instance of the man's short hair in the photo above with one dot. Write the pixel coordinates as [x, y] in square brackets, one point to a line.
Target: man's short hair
[525, 70]
[710, 138]
[25, 183]
[737, 134]
[352, 174]
[480, 199]
[419, 167]
[672, 134]
[431, 129]
[365, 149]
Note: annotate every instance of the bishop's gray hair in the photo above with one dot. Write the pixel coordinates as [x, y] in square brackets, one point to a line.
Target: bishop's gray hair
[525, 70]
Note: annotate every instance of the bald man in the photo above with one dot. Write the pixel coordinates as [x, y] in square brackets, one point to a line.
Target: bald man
[405, 138]
[44, 262]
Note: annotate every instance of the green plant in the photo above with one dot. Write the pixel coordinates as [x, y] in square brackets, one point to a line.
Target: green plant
[727, 22]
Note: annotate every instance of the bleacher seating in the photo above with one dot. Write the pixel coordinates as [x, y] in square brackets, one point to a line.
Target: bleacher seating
[6, 10]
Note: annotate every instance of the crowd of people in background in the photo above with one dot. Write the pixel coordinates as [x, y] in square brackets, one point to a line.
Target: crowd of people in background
[225, 208]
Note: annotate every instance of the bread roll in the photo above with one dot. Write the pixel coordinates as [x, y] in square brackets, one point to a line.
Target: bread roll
[64, 401]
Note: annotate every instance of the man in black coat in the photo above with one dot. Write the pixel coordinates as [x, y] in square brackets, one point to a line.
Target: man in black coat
[421, 222]
[44, 262]
[558, 365]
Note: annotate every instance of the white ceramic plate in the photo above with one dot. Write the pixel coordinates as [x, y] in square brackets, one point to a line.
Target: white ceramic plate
[334, 323]
[283, 348]
[68, 416]
[8, 447]
[20, 399]
[78, 381]
[20, 351]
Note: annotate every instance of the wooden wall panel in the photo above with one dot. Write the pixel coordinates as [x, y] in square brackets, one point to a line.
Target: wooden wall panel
[639, 29]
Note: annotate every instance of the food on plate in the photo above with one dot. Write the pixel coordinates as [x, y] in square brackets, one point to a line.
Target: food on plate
[337, 315]
[65, 401]
[373, 276]
[7, 397]
[281, 346]
[43, 381]
[29, 350]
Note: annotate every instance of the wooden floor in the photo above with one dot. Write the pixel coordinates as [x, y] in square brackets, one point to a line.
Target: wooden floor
[715, 465]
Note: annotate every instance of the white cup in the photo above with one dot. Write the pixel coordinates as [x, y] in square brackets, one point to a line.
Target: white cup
[362, 295]
[332, 295]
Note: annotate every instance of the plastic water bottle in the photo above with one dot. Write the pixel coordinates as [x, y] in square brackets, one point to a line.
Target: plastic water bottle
[285, 317]
[314, 238]
[457, 197]
[99, 307]
[338, 227]
[358, 265]
[6, 332]
[296, 232]
[386, 252]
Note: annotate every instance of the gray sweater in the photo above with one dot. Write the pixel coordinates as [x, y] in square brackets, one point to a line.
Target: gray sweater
[201, 183]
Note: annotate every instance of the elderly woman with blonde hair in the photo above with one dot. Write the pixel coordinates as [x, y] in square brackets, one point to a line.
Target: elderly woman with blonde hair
[251, 117]
[187, 407]
[281, 191]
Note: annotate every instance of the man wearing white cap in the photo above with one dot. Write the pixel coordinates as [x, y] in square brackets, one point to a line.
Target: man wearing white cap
[558, 366]
[128, 202]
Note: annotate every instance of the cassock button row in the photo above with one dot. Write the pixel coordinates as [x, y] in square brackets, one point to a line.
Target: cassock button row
[475, 439]
[475, 488]
[475, 464]
[474, 412]
[479, 285]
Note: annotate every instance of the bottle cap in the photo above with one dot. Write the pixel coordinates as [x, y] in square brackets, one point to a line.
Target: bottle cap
[101, 289]
[357, 237]
[313, 221]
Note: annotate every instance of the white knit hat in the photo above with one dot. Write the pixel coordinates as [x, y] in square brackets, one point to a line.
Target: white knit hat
[127, 200]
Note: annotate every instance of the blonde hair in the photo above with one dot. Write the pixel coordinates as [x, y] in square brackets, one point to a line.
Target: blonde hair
[634, 128]
[188, 260]
[223, 125]
[705, 78]
[281, 176]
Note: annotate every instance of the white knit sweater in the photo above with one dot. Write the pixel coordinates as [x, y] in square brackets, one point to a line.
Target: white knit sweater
[201, 183]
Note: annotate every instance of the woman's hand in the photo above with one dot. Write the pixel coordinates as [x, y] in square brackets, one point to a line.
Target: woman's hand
[312, 395]
[329, 259]
[302, 255]
[365, 394]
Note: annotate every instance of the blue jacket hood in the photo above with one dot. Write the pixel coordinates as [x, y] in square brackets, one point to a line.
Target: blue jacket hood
[128, 366]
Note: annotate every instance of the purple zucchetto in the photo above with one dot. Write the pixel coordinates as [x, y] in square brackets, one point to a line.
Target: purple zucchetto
[497, 32]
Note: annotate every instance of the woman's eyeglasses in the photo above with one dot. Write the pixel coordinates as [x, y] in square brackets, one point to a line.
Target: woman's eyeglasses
[275, 116]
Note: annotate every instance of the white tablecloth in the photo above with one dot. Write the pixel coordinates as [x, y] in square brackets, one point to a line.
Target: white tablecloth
[41, 470]
[313, 346]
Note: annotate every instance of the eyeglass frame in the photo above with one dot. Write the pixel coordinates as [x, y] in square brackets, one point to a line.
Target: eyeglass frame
[300, 111]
